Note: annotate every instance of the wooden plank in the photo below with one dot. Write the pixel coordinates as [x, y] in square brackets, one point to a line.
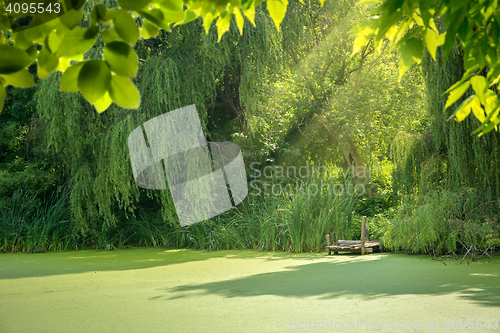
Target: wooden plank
[372, 243]
[354, 248]
[348, 242]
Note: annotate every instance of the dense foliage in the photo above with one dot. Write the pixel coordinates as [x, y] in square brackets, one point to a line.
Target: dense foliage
[65, 41]
[449, 179]
[411, 27]
[289, 98]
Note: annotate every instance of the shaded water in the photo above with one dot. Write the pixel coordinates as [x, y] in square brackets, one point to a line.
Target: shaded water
[159, 290]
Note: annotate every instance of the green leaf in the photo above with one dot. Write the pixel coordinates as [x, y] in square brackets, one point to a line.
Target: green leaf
[110, 35]
[427, 10]
[91, 32]
[491, 102]
[72, 18]
[133, 4]
[454, 19]
[53, 42]
[418, 19]
[94, 80]
[47, 63]
[240, 21]
[399, 31]
[69, 80]
[13, 59]
[121, 58]
[465, 77]
[475, 56]
[156, 16]
[432, 41]
[489, 123]
[480, 86]
[245, 4]
[454, 4]
[124, 93]
[100, 14]
[494, 73]
[103, 103]
[492, 125]
[149, 30]
[21, 41]
[463, 29]
[432, 25]
[412, 52]
[463, 110]
[75, 43]
[249, 14]
[410, 34]
[171, 5]
[223, 24]
[277, 10]
[490, 116]
[456, 93]
[393, 6]
[172, 10]
[21, 79]
[386, 23]
[190, 16]
[477, 110]
[125, 26]
[34, 34]
[208, 19]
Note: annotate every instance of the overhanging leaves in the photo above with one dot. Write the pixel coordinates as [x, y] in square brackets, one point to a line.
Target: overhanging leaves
[121, 59]
[13, 59]
[124, 93]
[21, 79]
[456, 93]
[94, 80]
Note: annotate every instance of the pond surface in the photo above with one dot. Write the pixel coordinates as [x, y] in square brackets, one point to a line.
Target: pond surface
[160, 290]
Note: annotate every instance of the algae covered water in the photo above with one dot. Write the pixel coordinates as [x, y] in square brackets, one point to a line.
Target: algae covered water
[160, 290]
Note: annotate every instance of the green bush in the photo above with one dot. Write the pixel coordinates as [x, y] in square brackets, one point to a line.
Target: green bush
[378, 225]
[443, 222]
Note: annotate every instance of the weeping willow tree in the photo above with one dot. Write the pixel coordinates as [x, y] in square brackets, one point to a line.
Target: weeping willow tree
[447, 155]
[447, 178]
[178, 68]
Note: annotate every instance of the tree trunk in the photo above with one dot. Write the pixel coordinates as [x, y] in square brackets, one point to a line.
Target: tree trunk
[354, 162]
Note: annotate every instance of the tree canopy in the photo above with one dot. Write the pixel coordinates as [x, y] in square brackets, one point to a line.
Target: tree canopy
[58, 42]
[412, 26]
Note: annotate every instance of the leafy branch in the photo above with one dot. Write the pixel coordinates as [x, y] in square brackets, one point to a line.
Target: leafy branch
[57, 42]
[410, 26]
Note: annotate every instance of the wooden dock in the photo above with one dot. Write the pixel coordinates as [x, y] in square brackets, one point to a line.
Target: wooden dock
[362, 246]
[350, 246]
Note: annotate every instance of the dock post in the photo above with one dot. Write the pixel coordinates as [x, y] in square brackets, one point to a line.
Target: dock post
[328, 244]
[363, 226]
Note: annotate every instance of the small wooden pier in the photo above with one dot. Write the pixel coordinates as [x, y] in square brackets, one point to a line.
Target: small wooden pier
[362, 246]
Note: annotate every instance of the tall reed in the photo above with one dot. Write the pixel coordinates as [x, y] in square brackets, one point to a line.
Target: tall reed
[28, 225]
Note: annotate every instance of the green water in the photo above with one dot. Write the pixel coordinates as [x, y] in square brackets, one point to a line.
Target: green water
[158, 290]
